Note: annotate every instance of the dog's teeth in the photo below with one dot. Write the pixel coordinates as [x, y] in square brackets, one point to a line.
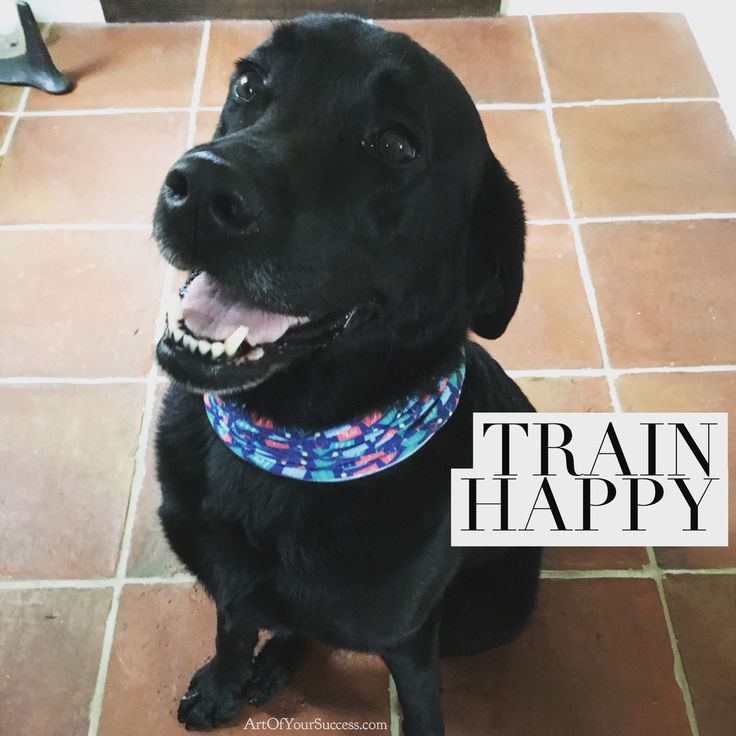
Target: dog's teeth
[217, 349]
[204, 346]
[255, 354]
[178, 334]
[190, 342]
[235, 340]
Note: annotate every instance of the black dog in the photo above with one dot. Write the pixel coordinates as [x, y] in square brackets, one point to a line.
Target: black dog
[349, 211]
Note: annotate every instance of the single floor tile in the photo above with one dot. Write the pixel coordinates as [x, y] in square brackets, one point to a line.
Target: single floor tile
[89, 169]
[648, 159]
[621, 56]
[665, 290]
[493, 58]
[50, 646]
[79, 303]
[67, 454]
[127, 65]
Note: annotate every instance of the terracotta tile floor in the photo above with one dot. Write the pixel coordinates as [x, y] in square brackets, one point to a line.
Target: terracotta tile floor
[628, 304]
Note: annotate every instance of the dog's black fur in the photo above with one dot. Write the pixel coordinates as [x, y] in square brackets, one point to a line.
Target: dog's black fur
[427, 249]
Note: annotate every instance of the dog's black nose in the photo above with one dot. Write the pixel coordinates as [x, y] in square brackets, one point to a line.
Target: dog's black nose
[204, 185]
[176, 187]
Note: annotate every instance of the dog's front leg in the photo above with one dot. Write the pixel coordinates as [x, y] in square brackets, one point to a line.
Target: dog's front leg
[414, 665]
[216, 690]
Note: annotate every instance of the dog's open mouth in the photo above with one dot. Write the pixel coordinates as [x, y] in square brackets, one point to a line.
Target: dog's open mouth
[205, 320]
[216, 340]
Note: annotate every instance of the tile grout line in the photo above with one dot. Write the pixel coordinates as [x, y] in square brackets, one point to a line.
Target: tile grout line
[100, 112]
[482, 106]
[677, 664]
[617, 372]
[614, 102]
[614, 219]
[118, 582]
[95, 710]
[685, 217]
[654, 569]
[567, 195]
[152, 382]
[635, 572]
[393, 704]
[186, 579]
[16, 116]
[198, 81]
[94, 583]
[625, 572]
[598, 102]
[72, 380]
[74, 226]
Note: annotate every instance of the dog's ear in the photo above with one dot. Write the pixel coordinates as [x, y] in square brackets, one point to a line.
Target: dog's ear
[495, 255]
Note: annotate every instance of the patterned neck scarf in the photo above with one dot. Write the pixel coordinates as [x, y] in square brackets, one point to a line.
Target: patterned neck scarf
[368, 446]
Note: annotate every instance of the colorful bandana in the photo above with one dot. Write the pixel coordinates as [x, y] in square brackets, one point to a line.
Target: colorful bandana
[374, 443]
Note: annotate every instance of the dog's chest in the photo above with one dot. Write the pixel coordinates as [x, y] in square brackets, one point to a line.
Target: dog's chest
[318, 557]
[322, 565]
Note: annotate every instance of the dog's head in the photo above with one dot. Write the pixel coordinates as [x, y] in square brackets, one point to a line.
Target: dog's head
[347, 201]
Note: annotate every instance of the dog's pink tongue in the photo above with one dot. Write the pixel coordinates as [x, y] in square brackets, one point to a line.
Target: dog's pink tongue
[210, 312]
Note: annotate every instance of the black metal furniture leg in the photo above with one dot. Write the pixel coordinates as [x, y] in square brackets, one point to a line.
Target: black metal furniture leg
[33, 68]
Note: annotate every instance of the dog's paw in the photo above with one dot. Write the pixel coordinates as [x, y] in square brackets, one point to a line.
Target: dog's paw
[273, 668]
[208, 703]
[265, 683]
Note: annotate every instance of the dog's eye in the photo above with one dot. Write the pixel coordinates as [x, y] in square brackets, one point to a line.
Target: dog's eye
[393, 145]
[247, 85]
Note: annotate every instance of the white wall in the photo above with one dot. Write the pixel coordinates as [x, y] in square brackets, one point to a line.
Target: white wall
[67, 11]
